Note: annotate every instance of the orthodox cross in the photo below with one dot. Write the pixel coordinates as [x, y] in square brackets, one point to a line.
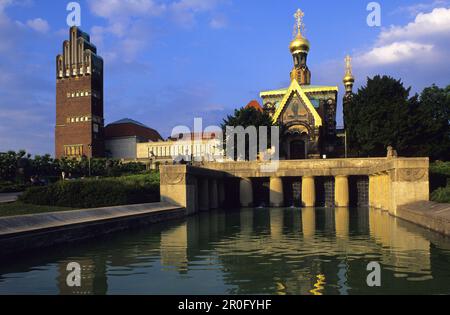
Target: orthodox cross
[348, 64]
[299, 21]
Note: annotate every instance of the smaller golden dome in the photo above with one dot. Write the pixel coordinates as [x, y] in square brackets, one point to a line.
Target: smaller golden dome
[349, 79]
[299, 44]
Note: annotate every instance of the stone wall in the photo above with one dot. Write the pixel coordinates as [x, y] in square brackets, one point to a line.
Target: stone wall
[393, 182]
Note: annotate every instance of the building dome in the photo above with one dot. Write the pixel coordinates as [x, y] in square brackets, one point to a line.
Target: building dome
[299, 44]
[349, 79]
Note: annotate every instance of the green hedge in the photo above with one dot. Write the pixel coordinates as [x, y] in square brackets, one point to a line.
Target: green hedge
[439, 175]
[10, 187]
[441, 195]
[20, 166]
[440, 182]
[93, 193]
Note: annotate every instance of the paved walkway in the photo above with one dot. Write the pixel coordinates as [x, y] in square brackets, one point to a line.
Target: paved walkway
[42, 221]
[9, 197]
[33, 232]
[432, 215]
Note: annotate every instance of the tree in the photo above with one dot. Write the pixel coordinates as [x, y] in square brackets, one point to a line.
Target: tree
[247, 117]
[381, 114]
[430, 121]
[378, 116]
[12, 163]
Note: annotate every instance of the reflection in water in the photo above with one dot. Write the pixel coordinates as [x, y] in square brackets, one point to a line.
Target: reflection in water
[397, 245]
[252, 251]
[342, 221]
[174, 245]
[309, 222]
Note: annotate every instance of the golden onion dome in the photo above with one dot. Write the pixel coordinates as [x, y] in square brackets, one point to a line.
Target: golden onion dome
[299, 44]
[349, 79]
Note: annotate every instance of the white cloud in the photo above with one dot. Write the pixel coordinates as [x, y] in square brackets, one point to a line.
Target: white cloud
[185, 11]
[417, 8]
[6, 27]
[39, 25]
[124, 21]
[195, 5]
[120, 12]
[424, 40]
[394, 53]
[26, 100]
[218, 22]
[125, 8]
[4, 4]
[130, 21]
[434, 23]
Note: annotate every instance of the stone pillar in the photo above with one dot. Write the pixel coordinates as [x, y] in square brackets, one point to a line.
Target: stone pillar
[203, 194]
[378, 191]
[276, 192]
[342, 198]
[308, 191]
[179, 188]
[385, 197]
[246, 193]
[409, 182]
[371, 191]
[221, 192]
[213, 194]
[391, 203]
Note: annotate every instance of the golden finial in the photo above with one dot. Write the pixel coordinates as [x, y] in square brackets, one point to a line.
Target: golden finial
[348, 65]
[300, 44]
[299, 21]
[349, 79]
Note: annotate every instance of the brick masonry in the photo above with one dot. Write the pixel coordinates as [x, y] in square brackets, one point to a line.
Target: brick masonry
[79, 99]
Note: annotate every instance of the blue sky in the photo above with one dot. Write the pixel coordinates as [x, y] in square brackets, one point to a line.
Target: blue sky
[168, 61]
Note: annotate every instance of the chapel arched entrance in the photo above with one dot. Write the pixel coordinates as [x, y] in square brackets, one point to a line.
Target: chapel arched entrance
[297, 150]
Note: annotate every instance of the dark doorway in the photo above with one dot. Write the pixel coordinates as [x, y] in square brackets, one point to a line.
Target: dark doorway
[324, 191]
[297, 150]
[232, 191]
[261, 192]
[292, 187]
[359, 191]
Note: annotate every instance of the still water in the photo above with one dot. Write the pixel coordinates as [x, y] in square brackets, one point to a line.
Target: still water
[250, 251]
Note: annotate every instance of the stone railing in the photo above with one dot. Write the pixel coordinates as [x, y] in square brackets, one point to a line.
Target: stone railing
[392, 181]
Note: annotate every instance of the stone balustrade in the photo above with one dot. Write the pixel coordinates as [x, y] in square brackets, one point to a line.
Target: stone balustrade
[393, 182]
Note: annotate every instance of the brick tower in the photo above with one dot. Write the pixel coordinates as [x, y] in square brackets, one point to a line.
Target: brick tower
[79, 99]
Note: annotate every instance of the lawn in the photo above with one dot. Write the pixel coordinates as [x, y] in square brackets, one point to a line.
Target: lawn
[20, 208]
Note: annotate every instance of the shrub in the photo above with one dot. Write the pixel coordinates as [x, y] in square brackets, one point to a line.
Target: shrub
[93, 193]
[441, 195]
[10, 187]
[439, 175]
[20, 166]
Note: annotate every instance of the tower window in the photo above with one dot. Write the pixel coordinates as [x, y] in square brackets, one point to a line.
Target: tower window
[73, 151]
